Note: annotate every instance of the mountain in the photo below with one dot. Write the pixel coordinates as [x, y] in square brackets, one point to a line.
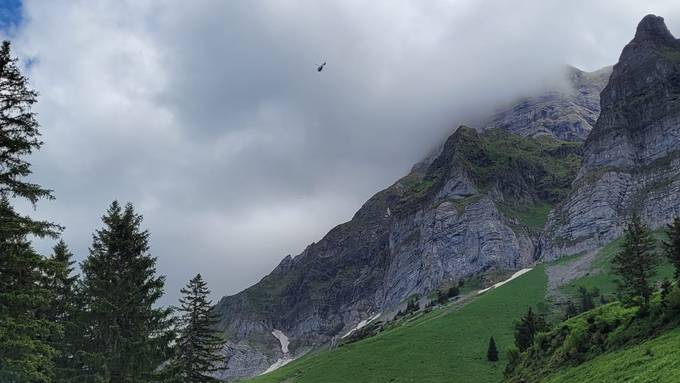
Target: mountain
[565, 113]
[476, 205]
[487, 200]
[632, 156]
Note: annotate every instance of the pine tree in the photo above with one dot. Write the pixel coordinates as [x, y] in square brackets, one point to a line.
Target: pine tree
[63, 310]
[198, 345]
[527, 328]
[636, 263]
[672, 246]
[570, 311]
[125, 338]
[492, 352]
[586, 299]
[25, 331]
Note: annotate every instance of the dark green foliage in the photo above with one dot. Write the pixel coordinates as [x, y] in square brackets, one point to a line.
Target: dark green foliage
[594, 333]
[124, 337]
[411, 307]
[527, 328]
[666, 287]
[26, 331]
[61, 282]
[199, 344]
[672, 246]
[492, 352]
[454, 291]
[636, 262]
[570, 310]
[586, 298]
[442, 297]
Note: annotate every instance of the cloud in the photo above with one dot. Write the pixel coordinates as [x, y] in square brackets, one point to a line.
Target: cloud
[211, 117]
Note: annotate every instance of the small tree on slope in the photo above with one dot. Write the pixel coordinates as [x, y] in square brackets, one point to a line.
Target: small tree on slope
[199, 345]
[492, 351]
[636, 263]
[527, 328]
[672, 247]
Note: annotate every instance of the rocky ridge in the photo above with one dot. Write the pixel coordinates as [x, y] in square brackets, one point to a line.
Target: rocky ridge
[632, 156]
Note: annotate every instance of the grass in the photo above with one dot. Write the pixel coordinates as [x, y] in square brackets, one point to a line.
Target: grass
[602, 276]
[656, 360]
[447, 345]
[533, 216]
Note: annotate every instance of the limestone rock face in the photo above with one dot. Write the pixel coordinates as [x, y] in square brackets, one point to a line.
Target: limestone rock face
[632, 157]
[566, 113]
[453, 219]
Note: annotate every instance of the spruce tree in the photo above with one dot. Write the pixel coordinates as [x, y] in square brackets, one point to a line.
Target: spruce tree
[26, 332]
[636, 263]
[672, 246]
[492, 352]
[125, 338]
[199, 345]
[527, 328]
[586, 298]
[570, 311]
[61, 281]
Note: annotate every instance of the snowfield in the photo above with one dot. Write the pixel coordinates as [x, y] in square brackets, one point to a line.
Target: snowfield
[515, 275]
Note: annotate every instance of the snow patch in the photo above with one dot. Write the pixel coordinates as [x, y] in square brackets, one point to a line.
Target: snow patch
[515, 275]
[362, 324]
[284, 341]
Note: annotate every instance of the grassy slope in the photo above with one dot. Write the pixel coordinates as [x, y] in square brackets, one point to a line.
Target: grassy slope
[656, 360]
[602, 275]
[437, 347]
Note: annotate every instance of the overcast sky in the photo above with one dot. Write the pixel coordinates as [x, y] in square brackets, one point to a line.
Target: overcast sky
[211, 118]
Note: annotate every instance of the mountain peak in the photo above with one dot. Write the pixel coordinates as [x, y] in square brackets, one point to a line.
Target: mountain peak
[653, 27]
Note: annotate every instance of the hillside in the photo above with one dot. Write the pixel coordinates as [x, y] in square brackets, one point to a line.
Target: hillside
[445, 345]
[653, 361]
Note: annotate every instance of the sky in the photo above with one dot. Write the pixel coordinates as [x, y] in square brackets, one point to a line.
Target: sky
[210, 116]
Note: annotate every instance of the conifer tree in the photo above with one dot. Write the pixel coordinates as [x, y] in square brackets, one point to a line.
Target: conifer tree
[61, 282]
[125, 338]
[636, 263]
[25, 331]
[527, 328]
[672, 246]
[492, 351]
[199, 345]
[586, 298]
[570, 311]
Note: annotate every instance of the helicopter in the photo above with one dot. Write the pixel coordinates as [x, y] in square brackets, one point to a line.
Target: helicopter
[319, 68]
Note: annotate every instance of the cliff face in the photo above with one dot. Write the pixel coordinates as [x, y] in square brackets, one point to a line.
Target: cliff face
[567, 113]
[632, 157]
[479, 205]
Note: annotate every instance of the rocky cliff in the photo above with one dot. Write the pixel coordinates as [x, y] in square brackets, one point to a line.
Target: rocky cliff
[478, 206]
[567, 112]
[632, 156]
